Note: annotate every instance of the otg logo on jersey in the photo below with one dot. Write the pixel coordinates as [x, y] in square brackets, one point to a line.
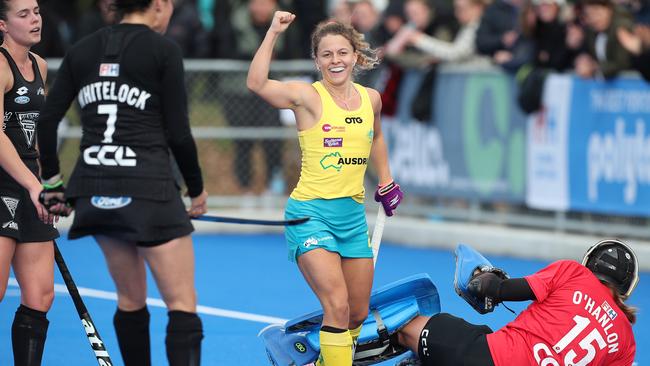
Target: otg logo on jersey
[353, 120]
[110, 203]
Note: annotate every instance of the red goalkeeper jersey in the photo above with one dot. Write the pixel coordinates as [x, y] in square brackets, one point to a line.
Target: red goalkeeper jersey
[573, 322]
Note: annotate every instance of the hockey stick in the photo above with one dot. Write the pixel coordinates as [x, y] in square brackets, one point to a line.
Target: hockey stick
[96, 343]
[377, 232]
[236, 220]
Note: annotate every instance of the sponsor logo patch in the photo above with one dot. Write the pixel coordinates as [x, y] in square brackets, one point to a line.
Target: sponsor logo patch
[22, 90]
[336, 161]
[110, 70]
[310, 241]
[611, 313]
[28, 125]
[333, 142]
[110, 203]
[314, 241]
[351, 120]
[40, 91]
[22, 100]
[11, 204]
[300, 347]
[328, 128]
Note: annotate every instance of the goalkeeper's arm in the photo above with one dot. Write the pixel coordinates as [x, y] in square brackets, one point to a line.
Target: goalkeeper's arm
[488, 284]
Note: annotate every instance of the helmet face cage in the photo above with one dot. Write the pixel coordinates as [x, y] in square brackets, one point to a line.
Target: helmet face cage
[614, 262]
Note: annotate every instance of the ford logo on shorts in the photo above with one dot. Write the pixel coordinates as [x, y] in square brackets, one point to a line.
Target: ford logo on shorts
[22, 99]
[110, 203]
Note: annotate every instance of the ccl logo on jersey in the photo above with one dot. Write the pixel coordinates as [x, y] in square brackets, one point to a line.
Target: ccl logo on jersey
[110, 155]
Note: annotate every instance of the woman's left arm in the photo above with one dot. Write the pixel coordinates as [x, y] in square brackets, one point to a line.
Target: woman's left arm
[379, 151]
[388, 192]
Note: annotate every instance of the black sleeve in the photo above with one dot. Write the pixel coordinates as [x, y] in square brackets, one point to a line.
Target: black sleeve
[490, 285]
[516, 289]
[177, 124]
[56, 105]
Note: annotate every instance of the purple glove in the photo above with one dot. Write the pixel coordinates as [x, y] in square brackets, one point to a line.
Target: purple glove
[390, 196]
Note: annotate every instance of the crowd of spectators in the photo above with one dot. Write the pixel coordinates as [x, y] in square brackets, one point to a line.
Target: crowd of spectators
[529, 38]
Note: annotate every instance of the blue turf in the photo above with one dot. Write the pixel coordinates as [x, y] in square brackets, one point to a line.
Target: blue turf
[250, 273]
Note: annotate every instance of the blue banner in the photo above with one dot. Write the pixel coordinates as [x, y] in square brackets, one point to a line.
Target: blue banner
[609, 147]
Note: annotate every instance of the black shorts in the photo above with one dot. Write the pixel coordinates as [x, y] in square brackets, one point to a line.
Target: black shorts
[18, 217]
[140, 221]
[450, 341]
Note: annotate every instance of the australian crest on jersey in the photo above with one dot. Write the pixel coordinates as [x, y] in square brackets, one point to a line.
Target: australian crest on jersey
[114, 102]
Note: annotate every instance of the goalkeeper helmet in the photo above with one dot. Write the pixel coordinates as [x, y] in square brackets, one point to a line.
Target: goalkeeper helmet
[614, 262]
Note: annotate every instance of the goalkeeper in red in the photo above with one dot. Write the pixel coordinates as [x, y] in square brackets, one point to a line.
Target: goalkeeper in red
[578, 316]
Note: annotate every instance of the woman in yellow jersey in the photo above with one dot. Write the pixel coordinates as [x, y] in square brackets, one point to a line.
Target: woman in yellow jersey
[339, 131]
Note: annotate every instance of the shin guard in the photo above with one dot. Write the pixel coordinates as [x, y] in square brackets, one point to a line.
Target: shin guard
[28, 333]
[183, 341]
[132, 329]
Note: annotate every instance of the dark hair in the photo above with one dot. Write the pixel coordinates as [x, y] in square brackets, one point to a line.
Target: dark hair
[629, 311]
[123, 7]
[367, 56]
[4, 6]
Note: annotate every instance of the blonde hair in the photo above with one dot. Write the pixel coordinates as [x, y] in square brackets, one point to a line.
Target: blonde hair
[367, 57]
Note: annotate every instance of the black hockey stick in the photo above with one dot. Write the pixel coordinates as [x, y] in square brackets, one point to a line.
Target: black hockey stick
[236, 220]
[96, 343]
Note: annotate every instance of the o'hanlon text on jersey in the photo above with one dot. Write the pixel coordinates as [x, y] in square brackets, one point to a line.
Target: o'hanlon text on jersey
[109, 91]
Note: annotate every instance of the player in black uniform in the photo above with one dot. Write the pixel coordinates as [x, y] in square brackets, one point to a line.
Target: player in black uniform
[25, 241]
[129, 82]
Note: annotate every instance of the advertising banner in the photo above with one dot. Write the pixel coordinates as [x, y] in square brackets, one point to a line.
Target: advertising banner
[609, 150]
[589, 149]
[474, 145]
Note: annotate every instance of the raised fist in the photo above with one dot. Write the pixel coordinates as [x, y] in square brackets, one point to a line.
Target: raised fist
[281, 21]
